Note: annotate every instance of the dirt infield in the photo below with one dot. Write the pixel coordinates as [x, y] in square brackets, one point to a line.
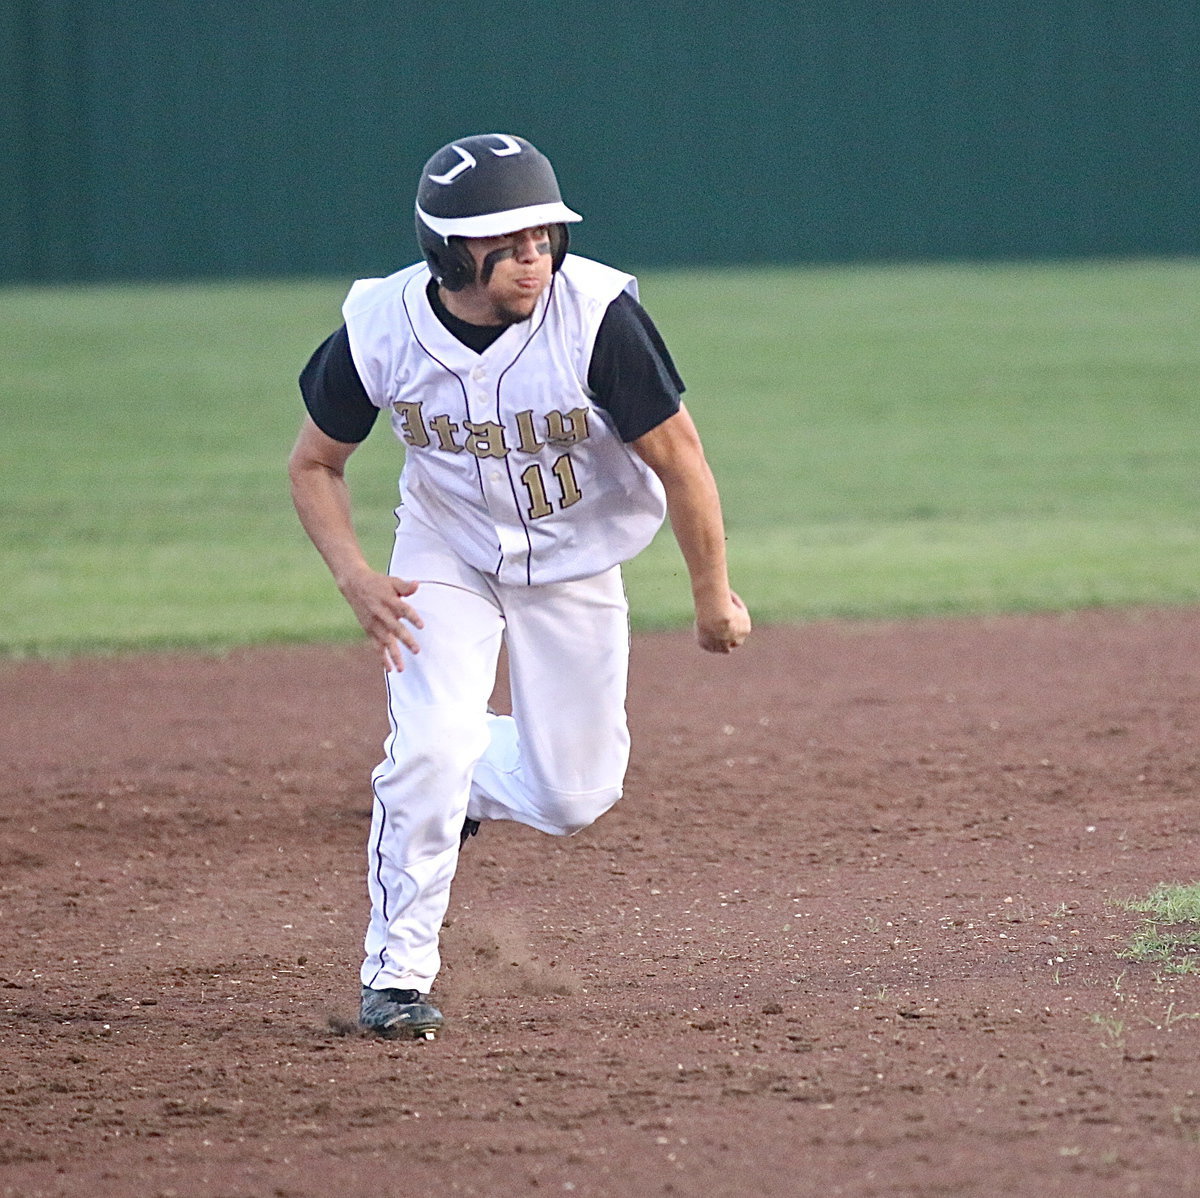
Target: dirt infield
[853, 930]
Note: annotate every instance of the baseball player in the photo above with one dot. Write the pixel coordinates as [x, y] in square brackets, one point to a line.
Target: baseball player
[544, 441]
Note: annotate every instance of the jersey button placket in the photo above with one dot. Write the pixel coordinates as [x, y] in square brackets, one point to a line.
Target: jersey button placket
[497, 492]
[498, 487]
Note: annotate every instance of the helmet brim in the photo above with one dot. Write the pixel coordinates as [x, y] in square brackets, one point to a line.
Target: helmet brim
[496, 224]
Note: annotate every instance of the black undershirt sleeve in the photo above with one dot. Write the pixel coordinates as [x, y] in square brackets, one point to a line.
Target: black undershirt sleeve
[631, 373]
[333, 393]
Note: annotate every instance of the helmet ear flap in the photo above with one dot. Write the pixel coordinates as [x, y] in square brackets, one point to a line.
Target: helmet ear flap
[449, 260]
[560, 240]
[455, 266]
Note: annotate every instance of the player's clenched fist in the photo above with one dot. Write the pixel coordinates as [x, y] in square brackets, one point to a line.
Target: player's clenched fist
[379, 602]
[723, 630]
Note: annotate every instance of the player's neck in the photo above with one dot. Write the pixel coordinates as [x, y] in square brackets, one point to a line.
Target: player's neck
[478, 337]
[472, 308]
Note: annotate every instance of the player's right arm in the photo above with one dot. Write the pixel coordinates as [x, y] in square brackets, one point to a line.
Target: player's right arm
[317, 469]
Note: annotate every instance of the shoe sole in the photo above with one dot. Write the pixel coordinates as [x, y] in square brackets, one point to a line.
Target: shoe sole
[404, 1031]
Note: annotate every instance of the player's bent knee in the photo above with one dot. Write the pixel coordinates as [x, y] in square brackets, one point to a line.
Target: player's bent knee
[571, 813]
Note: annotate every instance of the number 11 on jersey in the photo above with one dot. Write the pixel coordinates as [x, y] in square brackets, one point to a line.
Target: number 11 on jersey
[535, 484]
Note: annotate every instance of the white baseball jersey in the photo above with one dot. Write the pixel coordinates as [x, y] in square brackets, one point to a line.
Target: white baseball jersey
[506, 455]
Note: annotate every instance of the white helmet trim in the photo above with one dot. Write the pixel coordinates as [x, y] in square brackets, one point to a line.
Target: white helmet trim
[496, 224]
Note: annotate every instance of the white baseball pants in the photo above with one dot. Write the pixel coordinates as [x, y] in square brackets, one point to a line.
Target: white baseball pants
[557, 764]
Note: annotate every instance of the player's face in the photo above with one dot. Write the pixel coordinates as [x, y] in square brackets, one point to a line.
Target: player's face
[511, 272]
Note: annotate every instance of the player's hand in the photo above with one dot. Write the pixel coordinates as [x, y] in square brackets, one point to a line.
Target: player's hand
[724, 627]
[379, 602]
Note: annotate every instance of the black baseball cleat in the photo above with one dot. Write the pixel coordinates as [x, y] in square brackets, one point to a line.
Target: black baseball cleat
[470, 828]
[399, 1015]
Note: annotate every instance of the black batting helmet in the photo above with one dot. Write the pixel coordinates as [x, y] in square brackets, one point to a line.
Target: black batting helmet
[485, 186]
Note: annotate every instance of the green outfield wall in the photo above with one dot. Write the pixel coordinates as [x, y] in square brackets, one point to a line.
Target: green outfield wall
[165, 139]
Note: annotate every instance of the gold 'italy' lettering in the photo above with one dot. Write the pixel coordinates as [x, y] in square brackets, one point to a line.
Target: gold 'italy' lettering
[567, 428]
[486, 440]
[529, 442]
[412, 427]
[445, 429]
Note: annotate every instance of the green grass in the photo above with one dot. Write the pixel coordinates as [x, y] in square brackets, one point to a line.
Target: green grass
[889, 441]
[1170, 937]
[950, 438]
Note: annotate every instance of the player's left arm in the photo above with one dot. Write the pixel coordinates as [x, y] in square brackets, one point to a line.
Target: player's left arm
[673, 451]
